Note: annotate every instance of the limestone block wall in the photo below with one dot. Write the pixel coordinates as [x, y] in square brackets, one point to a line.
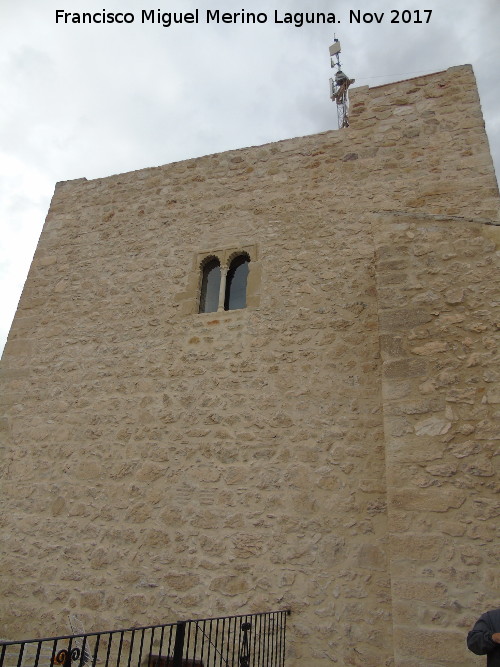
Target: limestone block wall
[162, 464]
[167, 464]
[438, 287]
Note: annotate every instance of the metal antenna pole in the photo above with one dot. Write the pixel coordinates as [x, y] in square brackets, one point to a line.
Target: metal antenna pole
[339, 86]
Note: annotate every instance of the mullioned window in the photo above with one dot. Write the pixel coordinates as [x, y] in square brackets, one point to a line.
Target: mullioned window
[224, 286]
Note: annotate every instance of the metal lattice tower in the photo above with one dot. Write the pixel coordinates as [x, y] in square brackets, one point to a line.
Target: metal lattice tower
[339, 86]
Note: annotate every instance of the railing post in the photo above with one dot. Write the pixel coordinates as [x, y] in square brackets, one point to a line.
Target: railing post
[180, 631]
[244, 657]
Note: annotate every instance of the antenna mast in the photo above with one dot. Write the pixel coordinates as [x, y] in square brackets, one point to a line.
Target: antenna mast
[339, 86]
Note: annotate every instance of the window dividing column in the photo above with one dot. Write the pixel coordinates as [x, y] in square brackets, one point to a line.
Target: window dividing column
[222, 288]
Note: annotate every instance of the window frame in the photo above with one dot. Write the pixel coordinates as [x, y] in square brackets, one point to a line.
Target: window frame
[189, 299]
[230, 276]
[210, 285]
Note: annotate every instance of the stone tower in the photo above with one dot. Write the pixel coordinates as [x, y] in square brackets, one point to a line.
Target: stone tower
[328, 448]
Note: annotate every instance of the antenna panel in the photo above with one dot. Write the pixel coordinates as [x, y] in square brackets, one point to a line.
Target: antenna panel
[332, 89]
[335, 48]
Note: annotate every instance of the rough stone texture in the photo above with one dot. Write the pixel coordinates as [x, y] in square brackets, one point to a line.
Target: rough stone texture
[328, 449]
[442, 462]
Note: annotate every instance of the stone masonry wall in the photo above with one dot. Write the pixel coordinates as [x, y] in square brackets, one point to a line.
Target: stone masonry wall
[438, 287]
[163, 464]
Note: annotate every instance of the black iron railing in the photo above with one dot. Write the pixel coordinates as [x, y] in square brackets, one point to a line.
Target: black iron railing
[254, 640]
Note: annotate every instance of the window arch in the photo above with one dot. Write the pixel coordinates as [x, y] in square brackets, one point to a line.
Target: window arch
[210, 285]
[223, 280]
[236, 283]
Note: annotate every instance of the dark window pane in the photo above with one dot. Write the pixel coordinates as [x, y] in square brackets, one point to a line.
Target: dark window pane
[236, 284]
[210, 285]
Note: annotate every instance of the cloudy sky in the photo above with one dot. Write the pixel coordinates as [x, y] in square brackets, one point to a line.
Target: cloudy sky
[93, 100]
